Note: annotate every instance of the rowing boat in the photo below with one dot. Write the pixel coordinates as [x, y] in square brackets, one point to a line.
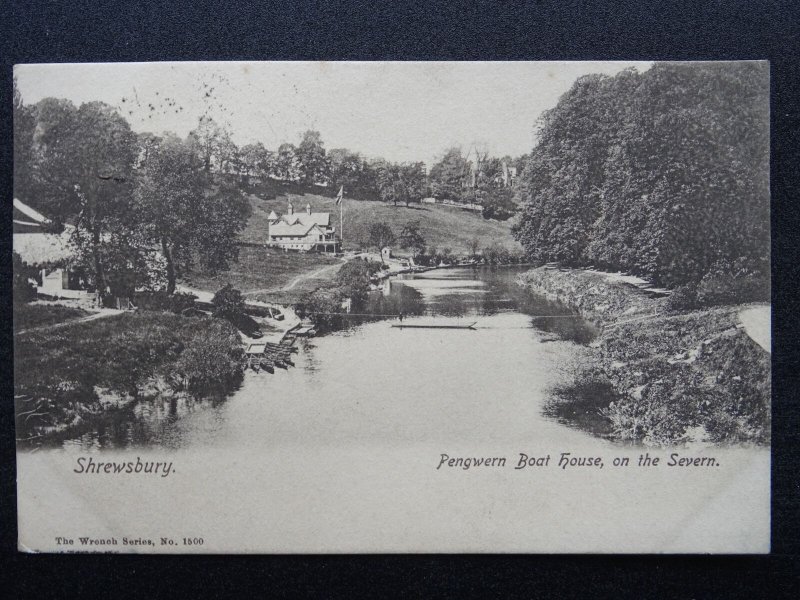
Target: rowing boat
[418, 326]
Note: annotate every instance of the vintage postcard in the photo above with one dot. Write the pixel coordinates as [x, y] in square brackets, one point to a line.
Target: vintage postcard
[335, 307]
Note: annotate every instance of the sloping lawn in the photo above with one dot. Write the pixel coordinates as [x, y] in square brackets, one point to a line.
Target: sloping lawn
[29, 316]
[259, 269]
[441, 226]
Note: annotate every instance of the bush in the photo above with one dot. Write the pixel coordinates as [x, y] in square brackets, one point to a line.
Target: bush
[23, 290]
[732, 283]
[228, 302]
[176, 303]
[683, 298]
[353, 279]
[323, 307]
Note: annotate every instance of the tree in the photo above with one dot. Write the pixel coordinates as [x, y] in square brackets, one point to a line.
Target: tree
[353, 279]
[663, 173]
[24, 150]
[386, 175]
[256, 160]
[228, 302]
[286, 165]
[380, 236]
[412, 182]
[84, 173]
[411, 237]
[449, 175]
[474, 244]
[349, 169]
[311, 160]
[206, 141]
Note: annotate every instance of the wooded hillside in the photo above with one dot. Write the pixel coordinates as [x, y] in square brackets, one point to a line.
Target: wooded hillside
[664, 174]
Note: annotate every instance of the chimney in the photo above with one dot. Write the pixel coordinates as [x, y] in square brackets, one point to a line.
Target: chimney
[291, 208]
[308, 208]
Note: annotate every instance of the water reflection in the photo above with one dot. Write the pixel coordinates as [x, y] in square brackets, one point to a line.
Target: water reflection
[379, 381]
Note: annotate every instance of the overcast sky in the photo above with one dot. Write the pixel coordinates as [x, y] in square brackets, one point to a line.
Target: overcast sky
[401, 111]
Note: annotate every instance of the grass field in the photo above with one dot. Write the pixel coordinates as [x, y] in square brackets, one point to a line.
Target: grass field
[441, 226]
[28, 316]
[272, 275]
[261, 270]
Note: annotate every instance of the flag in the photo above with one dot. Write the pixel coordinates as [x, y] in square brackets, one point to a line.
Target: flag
[339, 196]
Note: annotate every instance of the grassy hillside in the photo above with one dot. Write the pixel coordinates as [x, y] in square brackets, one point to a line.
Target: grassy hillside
[441, 226]
[270, 274]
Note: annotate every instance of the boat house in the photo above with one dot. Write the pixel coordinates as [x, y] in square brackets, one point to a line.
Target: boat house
[304, 232]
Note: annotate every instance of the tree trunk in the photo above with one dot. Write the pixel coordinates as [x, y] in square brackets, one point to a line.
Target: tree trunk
[99, 273]
[170, 266]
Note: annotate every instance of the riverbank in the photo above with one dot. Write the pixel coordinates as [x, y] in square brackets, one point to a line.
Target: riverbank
[655, 375]
[66, 376]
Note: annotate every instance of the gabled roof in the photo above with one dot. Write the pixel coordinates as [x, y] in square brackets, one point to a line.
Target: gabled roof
[322, 219]
[40, 248]
[281, 229]
[26, 219]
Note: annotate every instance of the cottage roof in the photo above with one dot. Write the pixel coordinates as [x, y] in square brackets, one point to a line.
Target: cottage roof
[322, 219]
[40, 248]
[281, 228]
[272, 216]
[25, 215]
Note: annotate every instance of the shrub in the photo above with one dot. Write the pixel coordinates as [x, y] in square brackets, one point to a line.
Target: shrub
[176, 303]
[23, 289]
[683, 298]
[228, 302]
[729, 282]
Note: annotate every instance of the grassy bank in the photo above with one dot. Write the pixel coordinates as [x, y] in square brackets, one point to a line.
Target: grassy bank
[65, 376]
[675, 376]
[440, 226]
[261, 270]
[29, 316]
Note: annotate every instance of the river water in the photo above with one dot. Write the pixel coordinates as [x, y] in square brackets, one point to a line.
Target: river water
[373, 380]
[348, 451]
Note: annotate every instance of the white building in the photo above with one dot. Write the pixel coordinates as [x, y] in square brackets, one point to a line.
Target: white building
[305, 232]
[52, 253]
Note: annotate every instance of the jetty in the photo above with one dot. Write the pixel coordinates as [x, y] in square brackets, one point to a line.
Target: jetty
[268, 356]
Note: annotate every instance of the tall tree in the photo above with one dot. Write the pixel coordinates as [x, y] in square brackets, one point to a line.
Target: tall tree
[311, 159]
[449, 175]
[411, 237]
[206, 140]
[412, 181]
[185, 215]
[286, 162]
[663, 173]
[85, 171]
[380, 236]
[24, 150]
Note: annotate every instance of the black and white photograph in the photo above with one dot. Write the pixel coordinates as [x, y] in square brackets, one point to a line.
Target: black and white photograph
[392, 307]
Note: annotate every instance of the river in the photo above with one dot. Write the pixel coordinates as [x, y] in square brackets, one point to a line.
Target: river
[371, 380]
[348, 451]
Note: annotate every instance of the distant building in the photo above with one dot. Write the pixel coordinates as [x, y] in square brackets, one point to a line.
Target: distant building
[50, 252]
[509, 175]
[304, 232]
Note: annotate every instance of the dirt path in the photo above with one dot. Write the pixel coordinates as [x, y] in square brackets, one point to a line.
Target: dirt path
[756, 321]
[297, 280]
[107, 312]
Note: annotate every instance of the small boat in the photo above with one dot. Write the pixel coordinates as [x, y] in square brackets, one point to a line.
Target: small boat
[432, 326]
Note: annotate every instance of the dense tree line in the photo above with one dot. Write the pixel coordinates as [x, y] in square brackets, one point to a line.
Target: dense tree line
[664, 174]
[138, 203]
[477, 179]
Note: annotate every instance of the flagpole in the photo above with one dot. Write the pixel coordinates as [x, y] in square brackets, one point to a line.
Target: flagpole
[341, 219]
